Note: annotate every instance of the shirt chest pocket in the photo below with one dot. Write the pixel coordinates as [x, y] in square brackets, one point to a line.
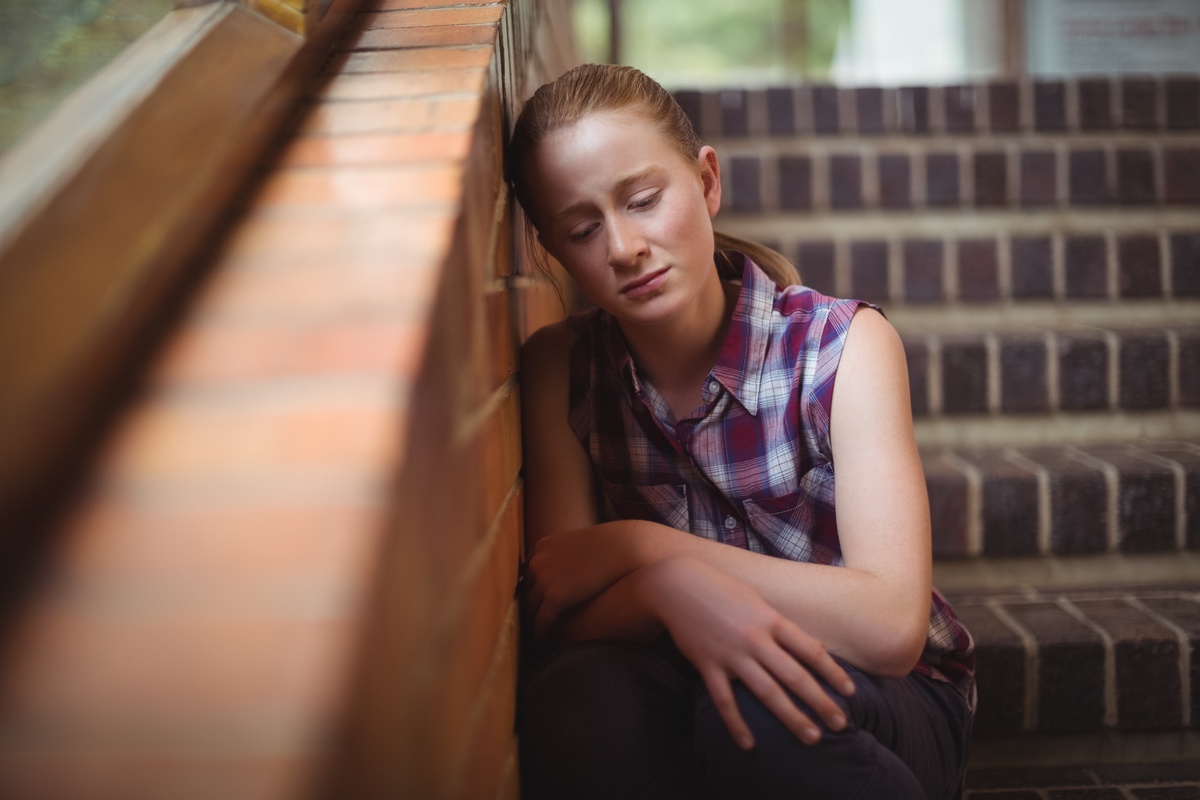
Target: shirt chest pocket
[664, 503]
[785, 527]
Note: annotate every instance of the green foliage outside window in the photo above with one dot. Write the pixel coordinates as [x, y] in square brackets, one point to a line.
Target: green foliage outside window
[714, 42]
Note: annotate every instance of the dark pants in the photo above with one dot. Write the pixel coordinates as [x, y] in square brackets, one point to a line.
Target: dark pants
[615, 721]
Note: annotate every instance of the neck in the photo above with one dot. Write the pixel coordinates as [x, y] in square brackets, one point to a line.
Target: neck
[677, 355]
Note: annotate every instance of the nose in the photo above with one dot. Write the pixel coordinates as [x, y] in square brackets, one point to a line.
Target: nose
[626, 244]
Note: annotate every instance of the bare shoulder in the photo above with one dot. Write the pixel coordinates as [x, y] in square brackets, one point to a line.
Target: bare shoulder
[871, 394]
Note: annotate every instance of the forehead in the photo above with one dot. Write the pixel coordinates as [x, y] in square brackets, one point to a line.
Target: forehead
[596, 152]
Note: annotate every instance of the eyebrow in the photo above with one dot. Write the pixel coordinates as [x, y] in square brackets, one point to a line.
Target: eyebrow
[621, 186]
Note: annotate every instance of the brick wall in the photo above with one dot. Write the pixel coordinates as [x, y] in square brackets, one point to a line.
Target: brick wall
[291, 569]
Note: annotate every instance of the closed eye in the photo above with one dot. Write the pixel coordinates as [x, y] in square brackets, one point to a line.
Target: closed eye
[646, 202]
[581, 235]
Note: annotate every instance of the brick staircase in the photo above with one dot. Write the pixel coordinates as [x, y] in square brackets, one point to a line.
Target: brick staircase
[1037, 245]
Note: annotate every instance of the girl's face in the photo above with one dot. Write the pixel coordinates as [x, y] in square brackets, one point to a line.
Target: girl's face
[627, 215]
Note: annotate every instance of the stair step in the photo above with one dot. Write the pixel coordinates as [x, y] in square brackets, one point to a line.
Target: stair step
[1085, 661]
[1097, 779]
[1089, 105]
[960, 175]
[1064, 500]
[902, 261]
[956, 370]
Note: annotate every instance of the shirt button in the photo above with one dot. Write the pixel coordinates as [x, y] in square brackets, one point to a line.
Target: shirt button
[730, 522]
[712, 386]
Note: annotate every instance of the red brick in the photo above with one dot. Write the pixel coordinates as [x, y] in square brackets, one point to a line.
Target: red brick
[214, 352]
[1010, 504]
[1185, 264]
[104, 772]
[825, 118]
[1095, 104]
[941, 179]
[1039, 178]
[142, 667]
[432, 58]
[440, 36]
[869, 105]
[1145, 500]
[1000, 672]
[1088, 177]
[1135, 177]
[1147, 666]
[1070, 668]
[960, 108]
[1086, 266]
[434, 17]
[815, 260]
[795, 183]
[745, 183]
[405, 5]
[502, 353]
[895, 181]
[978, 271]
[1078, 502]
[948, 505]
[869, 270]
[222, 534]
[266, 237]
[384, 85]
[912, 109]
[845, 182]
[376, 149]
[964, 376]
[362, 188]
[1004, 110]
[781, 108]
[1144, 358]
[1139, 266]
[991, 179]
[1181, 171]
[288, 432]
[1032, 260]
[1082, 371]
[1183, 102]
[1049, 106]
[924, 270]
[1023, 380]
[734, 122]
[1139, 104]
[322, 289]
[387, 116]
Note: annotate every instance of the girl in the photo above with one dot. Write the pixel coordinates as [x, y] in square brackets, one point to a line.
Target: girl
[723, 627]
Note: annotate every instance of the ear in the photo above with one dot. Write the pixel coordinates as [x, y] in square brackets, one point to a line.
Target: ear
[710, 178]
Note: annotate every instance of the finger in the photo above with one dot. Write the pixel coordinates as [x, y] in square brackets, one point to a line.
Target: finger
[812, 652]
[764, 686]
[793, 675]
[721, 693]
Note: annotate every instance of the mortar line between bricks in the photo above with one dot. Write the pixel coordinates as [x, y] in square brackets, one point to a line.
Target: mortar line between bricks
[1042, 474]
[1112, 480]
[1180, 474]
[974, 476]
[1110, 659]
[1185, 655]
[1173, 394]
[1113, 344]
[991, 345]
[1030, 644]
[1053, 390]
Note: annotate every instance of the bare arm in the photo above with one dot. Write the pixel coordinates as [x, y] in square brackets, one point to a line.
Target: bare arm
[874, 611]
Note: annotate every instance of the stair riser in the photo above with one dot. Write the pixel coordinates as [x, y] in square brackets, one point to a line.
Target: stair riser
[1084, 370]
[1086, 664]
[1088, 105]
[1064, 500]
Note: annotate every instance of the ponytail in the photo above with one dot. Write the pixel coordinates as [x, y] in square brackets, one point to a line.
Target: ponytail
[773, 263]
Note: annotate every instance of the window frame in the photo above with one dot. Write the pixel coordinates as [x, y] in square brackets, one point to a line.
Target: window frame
[106, 208]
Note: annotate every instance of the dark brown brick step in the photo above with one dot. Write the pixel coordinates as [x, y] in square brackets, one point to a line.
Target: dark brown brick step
[1085, 661]
[1046, 369]
[1078, 265]
[1082, 106]
[1064, 500]
[1171, 780]
[798, 178]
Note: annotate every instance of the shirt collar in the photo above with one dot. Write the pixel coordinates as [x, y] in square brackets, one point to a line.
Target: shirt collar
[740, 364]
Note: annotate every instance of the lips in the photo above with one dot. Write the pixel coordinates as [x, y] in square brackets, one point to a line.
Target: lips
[645, 284]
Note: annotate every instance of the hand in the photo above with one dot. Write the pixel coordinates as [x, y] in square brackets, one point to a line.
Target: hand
[568, 569]
[728, 632]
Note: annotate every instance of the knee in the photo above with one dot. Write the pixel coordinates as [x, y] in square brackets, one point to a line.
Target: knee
[843, 763]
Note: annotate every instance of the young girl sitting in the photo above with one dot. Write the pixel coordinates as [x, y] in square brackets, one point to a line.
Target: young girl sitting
[726, 519]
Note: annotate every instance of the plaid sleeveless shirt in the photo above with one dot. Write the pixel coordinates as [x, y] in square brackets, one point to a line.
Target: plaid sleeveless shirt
[753, 467]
